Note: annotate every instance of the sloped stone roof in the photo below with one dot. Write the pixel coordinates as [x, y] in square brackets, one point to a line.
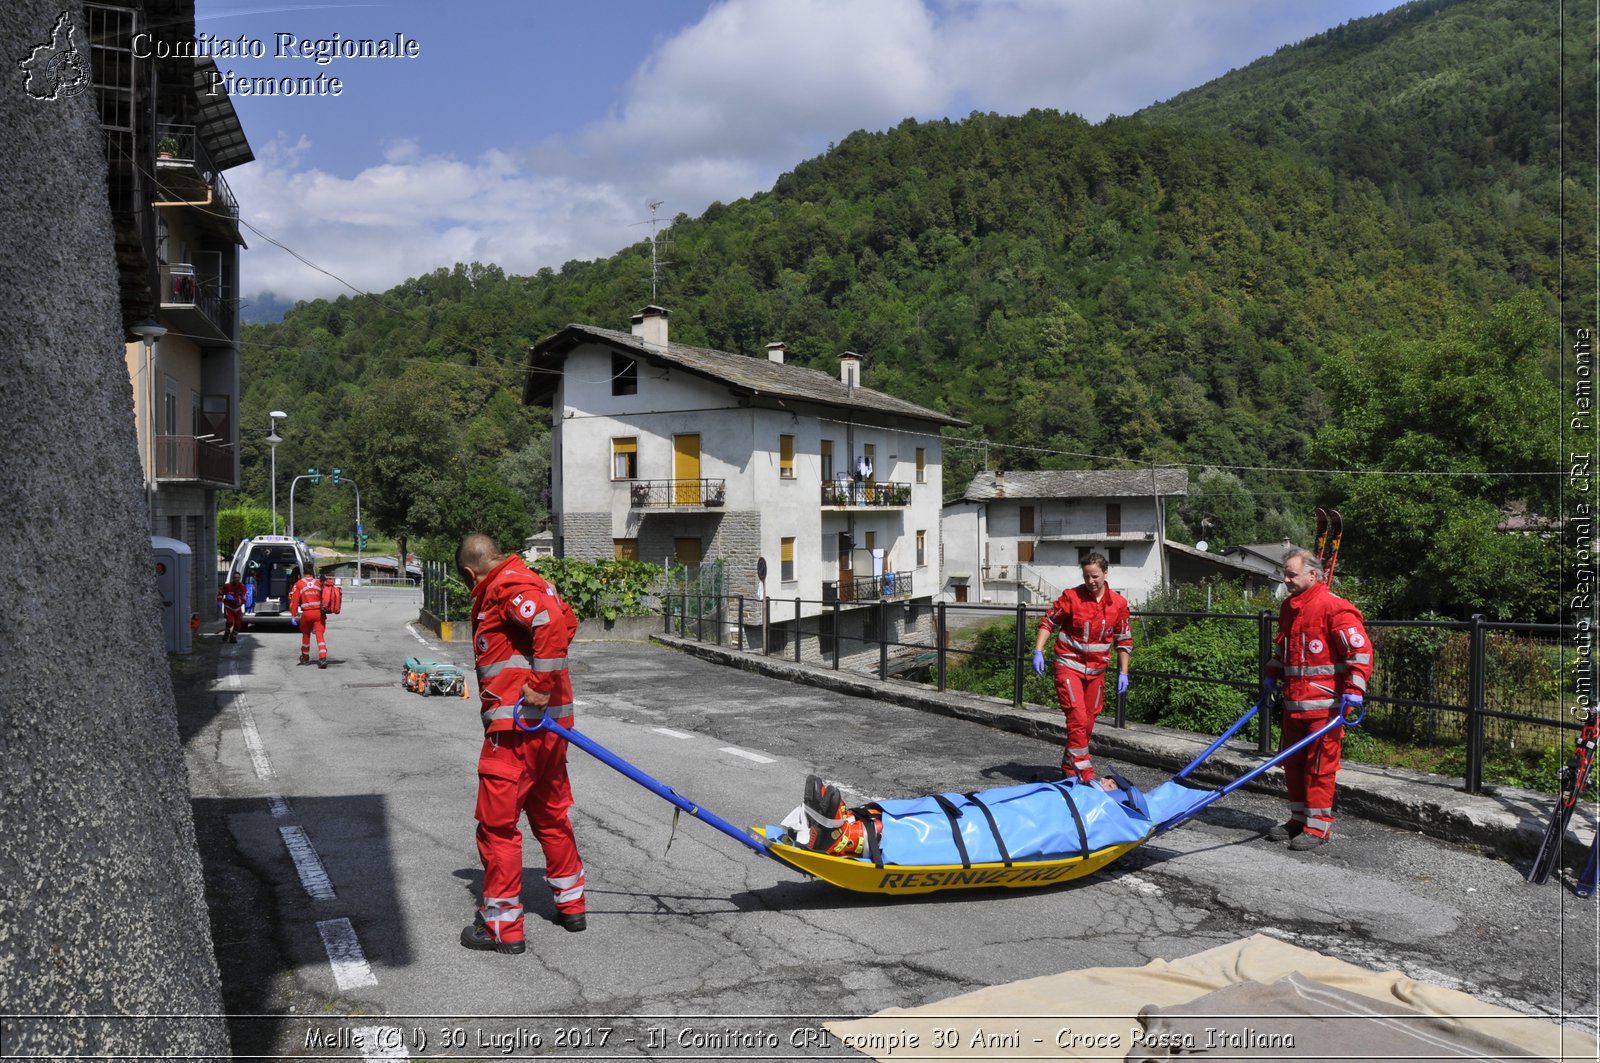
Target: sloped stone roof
[752, 375]
[1102, 483]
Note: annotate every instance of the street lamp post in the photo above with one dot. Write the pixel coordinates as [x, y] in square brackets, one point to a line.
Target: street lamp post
[274, 439]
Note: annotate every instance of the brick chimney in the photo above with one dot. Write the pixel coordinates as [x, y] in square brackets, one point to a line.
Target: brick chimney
[650, 325]
[775, 352]
[850, 369]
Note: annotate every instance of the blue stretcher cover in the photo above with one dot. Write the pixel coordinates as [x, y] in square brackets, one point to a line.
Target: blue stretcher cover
[1172, 799]
[1033, 821]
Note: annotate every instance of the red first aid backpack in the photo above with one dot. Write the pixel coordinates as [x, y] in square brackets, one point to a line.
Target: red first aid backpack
[332, 596]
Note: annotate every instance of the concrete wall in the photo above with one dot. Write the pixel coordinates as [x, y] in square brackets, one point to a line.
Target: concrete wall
[102, 908]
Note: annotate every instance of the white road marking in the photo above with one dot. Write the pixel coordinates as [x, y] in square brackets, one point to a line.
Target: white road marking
[747, 755]
[349, 963]
[416, 636]
[350, 968]
[313, 876]
[252, 742]
[670, 733]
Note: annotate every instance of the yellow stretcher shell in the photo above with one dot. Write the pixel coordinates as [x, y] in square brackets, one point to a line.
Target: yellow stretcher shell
[862, 876]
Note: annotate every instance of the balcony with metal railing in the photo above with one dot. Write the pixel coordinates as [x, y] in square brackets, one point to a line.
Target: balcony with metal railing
[677, 494]
[185, 172]
[194, 459]
[891, 586]
[884, 494]
[1061, 531]
[193, 304]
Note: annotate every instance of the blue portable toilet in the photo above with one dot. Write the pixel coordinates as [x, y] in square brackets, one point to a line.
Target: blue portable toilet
[174, 561]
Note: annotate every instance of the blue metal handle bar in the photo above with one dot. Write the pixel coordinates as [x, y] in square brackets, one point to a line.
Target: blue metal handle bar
[1229, 733]
[655, 786]
[1339, 720]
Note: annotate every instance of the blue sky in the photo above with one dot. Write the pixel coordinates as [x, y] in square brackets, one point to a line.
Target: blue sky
[531, 133]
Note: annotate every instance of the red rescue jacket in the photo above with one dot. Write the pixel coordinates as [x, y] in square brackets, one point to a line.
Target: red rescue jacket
[305, 598]
[1321, 651]
[231, 596]
[1087, 630]
[521, 629]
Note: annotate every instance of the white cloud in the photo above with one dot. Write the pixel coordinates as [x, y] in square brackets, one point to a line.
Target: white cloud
[722, 108]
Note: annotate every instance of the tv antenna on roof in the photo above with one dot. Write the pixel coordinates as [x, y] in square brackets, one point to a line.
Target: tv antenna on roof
[655, 263]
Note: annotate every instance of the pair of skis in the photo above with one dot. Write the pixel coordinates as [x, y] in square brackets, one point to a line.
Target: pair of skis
[1574, 780]
[1330, 533]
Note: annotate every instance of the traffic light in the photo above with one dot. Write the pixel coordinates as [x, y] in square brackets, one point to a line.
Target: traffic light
[336, 477]
[316, 477]
[361, 540]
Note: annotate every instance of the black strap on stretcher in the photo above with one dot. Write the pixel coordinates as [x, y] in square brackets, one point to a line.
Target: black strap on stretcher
[874, 848]
[953, 813]
[994, 828]
[1065, 790]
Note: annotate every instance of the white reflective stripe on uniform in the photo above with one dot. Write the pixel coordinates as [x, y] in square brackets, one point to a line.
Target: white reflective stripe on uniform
[1312, 669]
[566, 887]
[489, 671]
[1359, 658]
[540, 618]
[1084, 647]
[1078, 666]
[550, 664]
[1358, 680]
[507, 712]
[1321, 704]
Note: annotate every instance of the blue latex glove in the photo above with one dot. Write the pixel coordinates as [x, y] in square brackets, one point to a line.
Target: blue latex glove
[1122, 682]
[1268, 688]
[1038, 662]
[1349, 702]
[294, 621]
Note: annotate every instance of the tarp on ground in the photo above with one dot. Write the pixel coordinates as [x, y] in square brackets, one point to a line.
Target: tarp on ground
[1093, 1014]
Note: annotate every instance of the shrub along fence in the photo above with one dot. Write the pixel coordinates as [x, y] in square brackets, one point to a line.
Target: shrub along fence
[1472, 698]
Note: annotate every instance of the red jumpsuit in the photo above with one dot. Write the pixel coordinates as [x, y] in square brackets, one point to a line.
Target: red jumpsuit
[521, 629]
[1321, 654]
[305, 603]
[1086, 631]
[230, 598]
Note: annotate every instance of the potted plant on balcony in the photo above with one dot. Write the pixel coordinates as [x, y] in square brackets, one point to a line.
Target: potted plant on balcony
[900, 495]
[715, 493]
[639, 491]
[167, 147]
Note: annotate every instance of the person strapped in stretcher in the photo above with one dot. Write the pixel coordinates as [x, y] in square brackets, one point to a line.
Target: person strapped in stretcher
[1030, 821]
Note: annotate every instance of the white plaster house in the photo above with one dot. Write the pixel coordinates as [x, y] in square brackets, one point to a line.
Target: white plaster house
[1020, 536]
[662, 451]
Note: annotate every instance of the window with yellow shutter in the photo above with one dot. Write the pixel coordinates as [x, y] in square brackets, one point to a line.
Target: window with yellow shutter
[786, 560]
[786, 457]
[625, 458]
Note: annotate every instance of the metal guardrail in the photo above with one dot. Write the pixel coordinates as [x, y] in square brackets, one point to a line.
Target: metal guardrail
[1480, 693]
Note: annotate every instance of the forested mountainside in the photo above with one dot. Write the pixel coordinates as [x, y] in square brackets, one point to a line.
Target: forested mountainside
[1345, 256]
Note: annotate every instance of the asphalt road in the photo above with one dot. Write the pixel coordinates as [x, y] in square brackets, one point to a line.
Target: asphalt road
[334, 810]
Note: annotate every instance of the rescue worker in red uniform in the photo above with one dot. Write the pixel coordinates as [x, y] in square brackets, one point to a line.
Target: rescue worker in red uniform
[230, 599]
[1088, 622]
[305, 605]
[521, 629]
[1323, 659]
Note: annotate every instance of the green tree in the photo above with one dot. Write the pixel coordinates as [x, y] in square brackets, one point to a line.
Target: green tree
[1435, 438]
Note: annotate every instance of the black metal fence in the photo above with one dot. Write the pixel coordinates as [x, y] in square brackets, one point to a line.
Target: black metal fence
[1466, 686]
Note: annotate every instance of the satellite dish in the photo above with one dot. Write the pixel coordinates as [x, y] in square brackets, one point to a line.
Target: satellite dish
[1202, 546]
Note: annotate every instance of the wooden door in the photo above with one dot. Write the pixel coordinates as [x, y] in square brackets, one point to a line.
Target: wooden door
[686, 470]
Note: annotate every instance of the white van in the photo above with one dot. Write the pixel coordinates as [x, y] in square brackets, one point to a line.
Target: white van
[266, 566]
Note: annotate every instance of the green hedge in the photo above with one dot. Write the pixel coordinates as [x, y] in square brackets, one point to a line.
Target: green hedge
[242, 522]
[602, 589]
